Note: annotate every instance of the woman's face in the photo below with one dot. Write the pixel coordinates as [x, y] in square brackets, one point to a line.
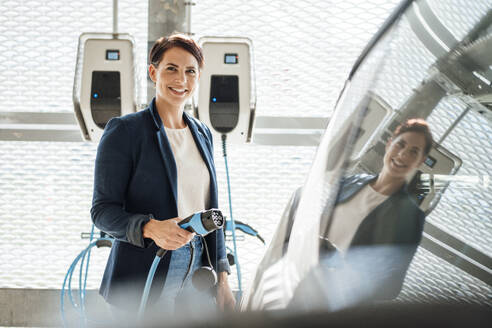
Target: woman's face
[404, 154]
[176, 76]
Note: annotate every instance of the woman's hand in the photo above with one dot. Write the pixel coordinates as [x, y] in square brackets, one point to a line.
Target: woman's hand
[167, 234]
[225, 299]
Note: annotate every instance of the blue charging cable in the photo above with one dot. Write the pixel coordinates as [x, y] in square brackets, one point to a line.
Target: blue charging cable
[148, 284]
[67, 281]
[82, 287]
[233, 225]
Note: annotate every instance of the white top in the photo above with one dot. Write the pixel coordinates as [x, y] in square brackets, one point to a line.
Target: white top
[349, 215]
[193, 175]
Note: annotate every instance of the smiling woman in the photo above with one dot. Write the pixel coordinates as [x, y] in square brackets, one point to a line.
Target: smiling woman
[376, 226]
[175, 150]
[362, 195]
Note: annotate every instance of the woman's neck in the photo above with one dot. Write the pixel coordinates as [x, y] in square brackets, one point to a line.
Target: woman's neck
[171, 116]
[386, 184]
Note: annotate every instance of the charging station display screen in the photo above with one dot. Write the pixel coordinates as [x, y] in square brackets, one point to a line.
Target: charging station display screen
[105, 96]
[224, 89]
[230, 59]
[430, 161]
[224, 102]
[112, 55]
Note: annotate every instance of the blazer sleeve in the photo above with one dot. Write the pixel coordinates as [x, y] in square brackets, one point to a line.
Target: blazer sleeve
[113, 169]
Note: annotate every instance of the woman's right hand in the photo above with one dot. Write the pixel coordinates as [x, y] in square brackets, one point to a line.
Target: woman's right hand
[167, 234]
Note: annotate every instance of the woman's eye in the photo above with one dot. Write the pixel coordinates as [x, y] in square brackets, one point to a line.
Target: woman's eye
[171, 68]
[191, 71]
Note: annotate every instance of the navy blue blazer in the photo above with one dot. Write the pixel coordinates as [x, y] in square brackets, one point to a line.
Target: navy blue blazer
[393, 231]
[136, 179]
[397, 220]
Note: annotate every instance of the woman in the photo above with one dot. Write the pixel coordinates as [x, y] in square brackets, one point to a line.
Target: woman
[374, 232]
[376, 226]
[152, 169]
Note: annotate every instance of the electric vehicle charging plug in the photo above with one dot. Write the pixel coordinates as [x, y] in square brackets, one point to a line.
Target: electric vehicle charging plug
[201, 223]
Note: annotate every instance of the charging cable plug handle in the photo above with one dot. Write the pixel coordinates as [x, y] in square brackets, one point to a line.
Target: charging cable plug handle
[246, 228]
[185, 224]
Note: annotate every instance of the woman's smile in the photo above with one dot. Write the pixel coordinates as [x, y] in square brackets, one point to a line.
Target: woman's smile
[398, 164]
[178, 91]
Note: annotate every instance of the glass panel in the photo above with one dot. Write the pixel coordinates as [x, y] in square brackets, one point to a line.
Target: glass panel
[370, 238]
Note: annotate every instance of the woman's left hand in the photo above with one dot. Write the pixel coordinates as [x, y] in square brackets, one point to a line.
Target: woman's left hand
[225, 298]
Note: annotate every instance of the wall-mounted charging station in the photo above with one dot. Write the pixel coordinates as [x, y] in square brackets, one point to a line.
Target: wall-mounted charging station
[377, 111]
[104, 85]
[226, 98]
[440, 161]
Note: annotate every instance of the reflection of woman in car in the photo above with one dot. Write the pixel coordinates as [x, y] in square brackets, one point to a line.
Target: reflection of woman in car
[377, 211]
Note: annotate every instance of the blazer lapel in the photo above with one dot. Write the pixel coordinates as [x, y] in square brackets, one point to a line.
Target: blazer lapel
[201, 142]
[351, 187]
[165, 150]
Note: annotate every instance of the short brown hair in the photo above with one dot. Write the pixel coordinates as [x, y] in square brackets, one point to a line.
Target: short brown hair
[165, 43]
[416, 125]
